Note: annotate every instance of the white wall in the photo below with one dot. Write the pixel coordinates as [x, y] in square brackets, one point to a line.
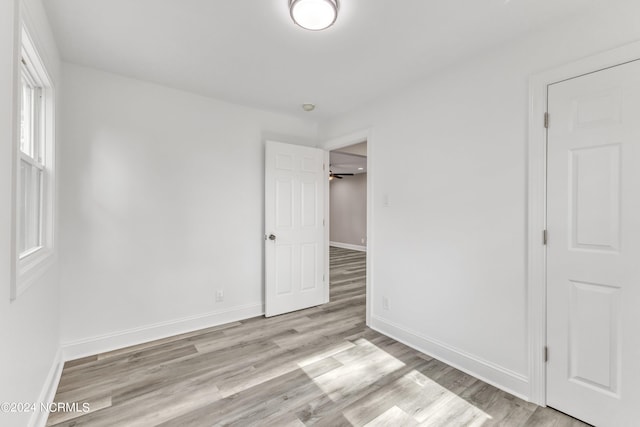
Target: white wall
[161, 205]
[450, 154]
[29, 331]
[348, 203]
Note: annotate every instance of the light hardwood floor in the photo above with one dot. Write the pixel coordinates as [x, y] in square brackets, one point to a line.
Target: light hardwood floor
[320, 366]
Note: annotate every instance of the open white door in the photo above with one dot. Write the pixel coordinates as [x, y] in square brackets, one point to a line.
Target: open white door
[593, 252]
[294, 227]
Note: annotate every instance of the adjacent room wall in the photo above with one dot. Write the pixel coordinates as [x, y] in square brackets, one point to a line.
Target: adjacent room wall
[348, 201]
[162, 204]
[449, 157]
[29, 339]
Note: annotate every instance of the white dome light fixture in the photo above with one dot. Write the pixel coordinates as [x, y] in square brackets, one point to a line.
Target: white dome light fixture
[314, 15]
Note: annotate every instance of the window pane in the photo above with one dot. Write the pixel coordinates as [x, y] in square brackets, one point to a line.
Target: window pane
[36, 237]
[30, 212]
[22, 204]
[27, 118]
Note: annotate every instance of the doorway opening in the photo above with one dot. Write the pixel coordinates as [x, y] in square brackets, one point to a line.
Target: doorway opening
[348, 222]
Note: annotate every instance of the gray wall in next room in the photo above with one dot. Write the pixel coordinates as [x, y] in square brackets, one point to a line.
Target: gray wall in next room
[348, 200]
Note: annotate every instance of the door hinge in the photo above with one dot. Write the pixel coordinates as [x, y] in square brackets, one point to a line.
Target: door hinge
[546, 354]
[324, 166]
[546, 120]
[544, 237]
[323, 278]
[323, 222]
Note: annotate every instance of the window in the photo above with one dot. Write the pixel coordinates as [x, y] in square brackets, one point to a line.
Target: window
[31, 163]
[34, 176]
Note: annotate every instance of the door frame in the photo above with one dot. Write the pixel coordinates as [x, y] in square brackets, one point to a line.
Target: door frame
[334, 144]
[537, 201]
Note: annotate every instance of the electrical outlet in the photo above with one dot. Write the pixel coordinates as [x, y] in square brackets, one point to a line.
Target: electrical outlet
[385, 303]
[362, 240]
[219, 295]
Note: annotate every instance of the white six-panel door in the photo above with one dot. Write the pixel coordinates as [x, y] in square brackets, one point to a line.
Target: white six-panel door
[294, 227]
[593, 253]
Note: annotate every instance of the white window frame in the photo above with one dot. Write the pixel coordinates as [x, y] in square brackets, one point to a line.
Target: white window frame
[30, 265]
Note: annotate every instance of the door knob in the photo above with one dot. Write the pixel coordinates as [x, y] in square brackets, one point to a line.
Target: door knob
[272, 237]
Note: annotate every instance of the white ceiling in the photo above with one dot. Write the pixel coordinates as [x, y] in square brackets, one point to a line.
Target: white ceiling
[249, 51]
[347, 163]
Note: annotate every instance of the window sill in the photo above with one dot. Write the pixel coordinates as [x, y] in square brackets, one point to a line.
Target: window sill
[31, 268]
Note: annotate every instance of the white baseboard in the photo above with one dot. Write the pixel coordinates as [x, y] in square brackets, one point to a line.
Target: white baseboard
[489, 372]
[48, 393]
[348, 246]
[121, 339]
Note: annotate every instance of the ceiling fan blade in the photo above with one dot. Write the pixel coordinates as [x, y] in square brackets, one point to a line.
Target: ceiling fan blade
[343, 174]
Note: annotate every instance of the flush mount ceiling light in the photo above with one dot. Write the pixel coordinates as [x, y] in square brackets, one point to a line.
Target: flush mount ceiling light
[308, 107]
[314, 15]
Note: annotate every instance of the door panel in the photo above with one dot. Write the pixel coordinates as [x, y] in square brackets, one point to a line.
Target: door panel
[309, 266]
[595, 196]
[294, 208]
[309, 204]
[284, 269]
[593, 252]
[284, 203]
[594, 336]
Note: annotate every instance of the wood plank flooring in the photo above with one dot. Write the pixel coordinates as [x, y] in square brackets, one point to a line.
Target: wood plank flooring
[316, 367]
